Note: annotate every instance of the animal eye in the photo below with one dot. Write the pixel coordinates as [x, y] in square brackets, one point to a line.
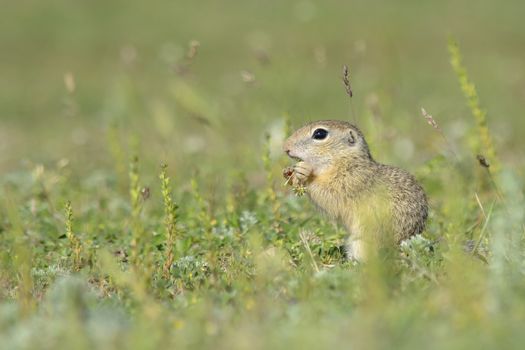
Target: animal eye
[319, 134]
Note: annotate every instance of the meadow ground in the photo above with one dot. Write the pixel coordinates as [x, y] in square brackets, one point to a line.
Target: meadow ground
[141, 197]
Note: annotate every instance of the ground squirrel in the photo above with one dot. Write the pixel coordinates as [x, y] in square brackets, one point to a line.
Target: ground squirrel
[372, 200]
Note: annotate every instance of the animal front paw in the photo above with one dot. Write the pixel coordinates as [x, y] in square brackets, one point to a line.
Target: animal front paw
[302, 172]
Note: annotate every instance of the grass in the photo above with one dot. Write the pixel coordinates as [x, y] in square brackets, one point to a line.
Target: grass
[141, 198]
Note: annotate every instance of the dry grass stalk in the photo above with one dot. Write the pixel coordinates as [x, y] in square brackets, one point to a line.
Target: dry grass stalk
[346, 81]
[349, 91]
[247, 77]
[193, 49]
[183, 67]
[432, 122]
[69, 82]
[304, 236]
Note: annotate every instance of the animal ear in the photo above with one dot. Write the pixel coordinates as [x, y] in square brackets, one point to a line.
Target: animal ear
[351, 137]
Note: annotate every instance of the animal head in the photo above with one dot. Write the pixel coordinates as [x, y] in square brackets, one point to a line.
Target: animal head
[323, 143]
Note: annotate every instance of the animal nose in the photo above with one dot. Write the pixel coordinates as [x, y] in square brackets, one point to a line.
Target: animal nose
[287, 151]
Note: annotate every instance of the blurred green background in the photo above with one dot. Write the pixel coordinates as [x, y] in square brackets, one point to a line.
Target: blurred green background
[256, 63]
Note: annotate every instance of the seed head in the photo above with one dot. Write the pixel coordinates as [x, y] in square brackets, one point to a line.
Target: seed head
[346, 81]
[430, 120]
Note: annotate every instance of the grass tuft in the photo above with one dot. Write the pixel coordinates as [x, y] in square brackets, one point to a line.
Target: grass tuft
[481, 141]
[75, 245]
[170, 220]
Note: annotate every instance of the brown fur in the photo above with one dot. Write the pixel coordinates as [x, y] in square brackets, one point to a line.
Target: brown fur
[373, 201]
